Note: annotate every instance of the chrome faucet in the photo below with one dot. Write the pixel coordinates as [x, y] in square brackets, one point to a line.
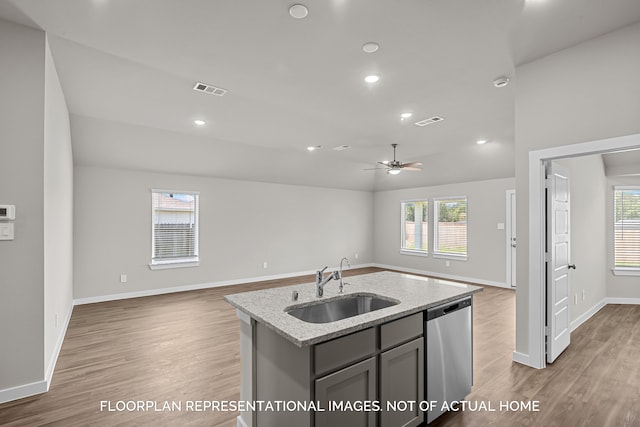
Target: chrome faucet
[321, 280]
[341, 285]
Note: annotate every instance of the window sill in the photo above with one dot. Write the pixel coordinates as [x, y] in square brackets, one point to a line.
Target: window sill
[413, 253]
[163, 265]
[626, 271]
[449, 256]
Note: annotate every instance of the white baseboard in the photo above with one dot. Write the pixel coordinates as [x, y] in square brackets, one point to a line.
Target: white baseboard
[631, 301]
[521, 358]
[161, 291]
[240, 422]
[56, 352]
[438, 275]
[38, 387]
[21, 391]
[587, 315]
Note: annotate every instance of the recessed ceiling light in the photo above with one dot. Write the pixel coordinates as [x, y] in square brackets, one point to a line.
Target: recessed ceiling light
[372, 78]
[481, 141]
[501, 81]
[199, 122]
[298, 11]
[405, 115]
[370, 47]
[314, 147]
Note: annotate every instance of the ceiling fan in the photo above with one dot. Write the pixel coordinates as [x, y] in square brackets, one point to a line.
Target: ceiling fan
[395, 167]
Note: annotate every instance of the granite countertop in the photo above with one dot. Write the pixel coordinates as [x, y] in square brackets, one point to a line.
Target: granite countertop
[414, 293]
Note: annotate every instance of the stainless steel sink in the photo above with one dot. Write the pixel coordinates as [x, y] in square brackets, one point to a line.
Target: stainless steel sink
[340, 308]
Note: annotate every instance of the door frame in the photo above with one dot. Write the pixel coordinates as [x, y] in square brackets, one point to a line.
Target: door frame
[509, 233]
[537, 235]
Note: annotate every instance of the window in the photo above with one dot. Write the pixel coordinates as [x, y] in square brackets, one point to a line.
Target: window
[174, 229]
[450, 233]
[627, 230]
[414, 226]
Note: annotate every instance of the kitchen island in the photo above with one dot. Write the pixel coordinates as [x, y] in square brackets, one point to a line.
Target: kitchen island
[357, 364]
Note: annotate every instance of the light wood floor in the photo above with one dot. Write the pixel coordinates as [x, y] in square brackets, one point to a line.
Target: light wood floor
[185, 346]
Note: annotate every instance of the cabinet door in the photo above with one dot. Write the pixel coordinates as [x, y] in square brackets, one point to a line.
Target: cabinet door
[402, 380]
[355, 384]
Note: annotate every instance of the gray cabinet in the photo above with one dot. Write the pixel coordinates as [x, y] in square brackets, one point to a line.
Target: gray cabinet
[402, 380]
[368, 367]
[349, 386]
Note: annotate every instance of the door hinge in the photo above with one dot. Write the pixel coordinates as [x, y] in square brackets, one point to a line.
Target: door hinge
[546, 331]
[547, 257]
[547, 182]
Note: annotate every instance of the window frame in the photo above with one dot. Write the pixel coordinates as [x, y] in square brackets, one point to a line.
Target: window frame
[408, 251]
[436, 215]
[619, 270]
[177, 262]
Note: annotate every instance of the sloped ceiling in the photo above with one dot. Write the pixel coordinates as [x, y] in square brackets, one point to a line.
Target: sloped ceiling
[127, 69]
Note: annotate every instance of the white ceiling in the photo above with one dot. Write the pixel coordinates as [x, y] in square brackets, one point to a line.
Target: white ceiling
[127, 69]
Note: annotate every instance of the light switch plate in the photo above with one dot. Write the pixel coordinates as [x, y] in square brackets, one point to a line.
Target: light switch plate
[6, 231]
[501, 226]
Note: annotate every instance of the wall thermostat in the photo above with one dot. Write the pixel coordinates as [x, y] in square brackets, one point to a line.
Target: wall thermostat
[7, 212]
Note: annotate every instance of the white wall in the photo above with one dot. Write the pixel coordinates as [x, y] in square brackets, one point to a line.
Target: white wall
[58, 215]
[588, 92]
[242, 224]
[21, 183]
[486, 200]
[618, 286]
[588, 234]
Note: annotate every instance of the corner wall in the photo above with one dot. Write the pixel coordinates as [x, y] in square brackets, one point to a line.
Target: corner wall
[242, 224]
[588, 236]
[58, 216]
[486, 262]
[565, 98]
[22, 85]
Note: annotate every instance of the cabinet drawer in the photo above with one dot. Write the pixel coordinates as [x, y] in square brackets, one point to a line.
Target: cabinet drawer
[401, 330]
[344, 350]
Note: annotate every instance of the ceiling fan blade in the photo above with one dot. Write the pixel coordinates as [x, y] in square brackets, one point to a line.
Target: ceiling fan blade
[411, 164]
[411, 169]
[373, 169]
[383, 163]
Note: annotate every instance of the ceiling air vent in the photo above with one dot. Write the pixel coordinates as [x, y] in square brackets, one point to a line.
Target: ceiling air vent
[434, 119]
[342, 147]
[211, 90]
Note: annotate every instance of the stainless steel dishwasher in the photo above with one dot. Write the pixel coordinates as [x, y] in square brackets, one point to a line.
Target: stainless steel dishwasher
[449, 355]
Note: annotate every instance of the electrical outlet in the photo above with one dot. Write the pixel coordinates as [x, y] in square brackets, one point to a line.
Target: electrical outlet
[355, 255]
[575, 299]
[584, 295]
[56, 318]
[265, 265]
[123, 278]
[447, 263]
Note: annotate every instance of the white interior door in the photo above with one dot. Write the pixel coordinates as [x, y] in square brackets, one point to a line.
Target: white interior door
[558, 256]
[511, 238]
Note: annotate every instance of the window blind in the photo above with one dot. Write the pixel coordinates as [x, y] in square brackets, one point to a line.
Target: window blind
[175, 227]
[415, 225]
[627, 227]
[451, 227]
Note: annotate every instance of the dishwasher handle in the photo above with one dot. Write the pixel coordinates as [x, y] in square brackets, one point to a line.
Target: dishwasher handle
[451, 308]
[447, 308]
